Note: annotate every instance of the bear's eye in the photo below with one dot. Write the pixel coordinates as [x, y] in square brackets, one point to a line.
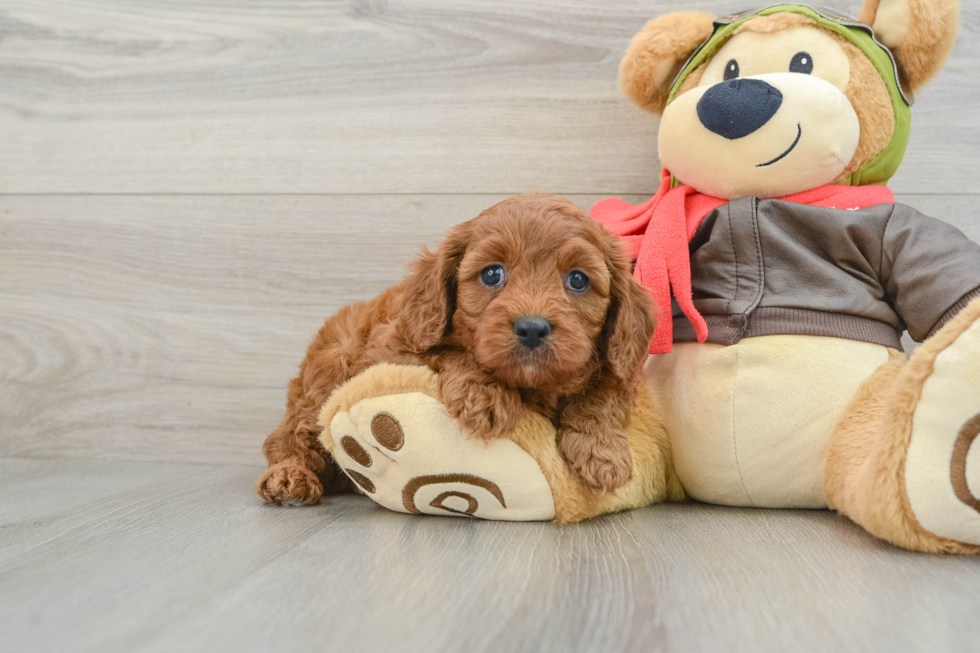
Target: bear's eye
[731, 70]
[801, 63]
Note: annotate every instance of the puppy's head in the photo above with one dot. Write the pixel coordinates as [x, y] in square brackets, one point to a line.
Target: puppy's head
[537, 291]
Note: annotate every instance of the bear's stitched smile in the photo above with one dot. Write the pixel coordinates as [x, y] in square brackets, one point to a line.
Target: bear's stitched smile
[799, 134]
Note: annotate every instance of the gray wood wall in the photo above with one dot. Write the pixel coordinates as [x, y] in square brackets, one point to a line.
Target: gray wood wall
[187, 189]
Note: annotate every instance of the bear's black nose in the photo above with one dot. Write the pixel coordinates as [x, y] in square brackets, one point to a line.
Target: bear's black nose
[531, 331]
[738, 107]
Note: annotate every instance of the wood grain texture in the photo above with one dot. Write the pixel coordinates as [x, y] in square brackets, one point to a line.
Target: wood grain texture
[167, 327]
[368, 96]
[100, 556]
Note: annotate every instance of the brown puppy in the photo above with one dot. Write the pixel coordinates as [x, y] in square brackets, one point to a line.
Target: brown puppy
[529, 305]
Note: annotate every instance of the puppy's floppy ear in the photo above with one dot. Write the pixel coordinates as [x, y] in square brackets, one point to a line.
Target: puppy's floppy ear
[920, 33]
[657, 53]
[629, 326]
[430, 293]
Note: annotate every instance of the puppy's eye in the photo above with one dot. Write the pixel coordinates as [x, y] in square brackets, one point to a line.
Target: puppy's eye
[731, 70]
[492, 276]
[801, 63]
[577, 281]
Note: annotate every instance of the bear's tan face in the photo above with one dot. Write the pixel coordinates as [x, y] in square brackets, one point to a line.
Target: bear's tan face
[768, 118]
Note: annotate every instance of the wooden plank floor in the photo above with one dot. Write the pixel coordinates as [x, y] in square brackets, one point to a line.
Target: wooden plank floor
[99, 556]
[188, 188]
[367, 96]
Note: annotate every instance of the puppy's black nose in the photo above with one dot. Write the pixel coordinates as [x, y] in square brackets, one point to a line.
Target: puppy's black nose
[531, 331]
[738, 107]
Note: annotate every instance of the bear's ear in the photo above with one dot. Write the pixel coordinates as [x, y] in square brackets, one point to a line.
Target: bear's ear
[920, 33]
[658, 52]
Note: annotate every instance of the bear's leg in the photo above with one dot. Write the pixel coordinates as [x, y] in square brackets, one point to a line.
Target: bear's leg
[391, 434]
[901, 462]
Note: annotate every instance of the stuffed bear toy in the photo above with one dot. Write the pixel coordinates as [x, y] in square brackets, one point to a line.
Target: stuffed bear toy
[785, 274]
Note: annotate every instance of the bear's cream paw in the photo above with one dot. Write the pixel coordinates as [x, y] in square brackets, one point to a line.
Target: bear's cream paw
[942, 466]
[408, 455]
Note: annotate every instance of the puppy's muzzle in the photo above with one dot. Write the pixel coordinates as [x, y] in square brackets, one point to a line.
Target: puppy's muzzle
[532, 331]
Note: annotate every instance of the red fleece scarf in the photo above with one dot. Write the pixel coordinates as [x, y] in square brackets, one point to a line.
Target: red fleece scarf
[657, 234]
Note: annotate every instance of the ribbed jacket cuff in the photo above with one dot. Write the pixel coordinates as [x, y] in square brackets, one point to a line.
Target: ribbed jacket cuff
[953, 311]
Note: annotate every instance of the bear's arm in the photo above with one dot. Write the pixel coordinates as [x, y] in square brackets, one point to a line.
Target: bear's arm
[929, 269]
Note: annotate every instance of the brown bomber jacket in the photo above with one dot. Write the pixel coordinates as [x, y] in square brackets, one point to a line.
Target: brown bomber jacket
[768, 267]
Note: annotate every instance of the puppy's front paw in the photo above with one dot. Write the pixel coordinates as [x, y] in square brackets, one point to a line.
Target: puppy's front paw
[290, 484]
[489, 409]
[605, 463]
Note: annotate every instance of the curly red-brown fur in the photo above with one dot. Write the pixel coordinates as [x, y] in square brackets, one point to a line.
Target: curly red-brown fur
[585, 375]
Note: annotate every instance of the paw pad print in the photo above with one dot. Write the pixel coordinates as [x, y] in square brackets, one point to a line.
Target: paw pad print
[959, 467]
[942, 463]
[408, 455]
